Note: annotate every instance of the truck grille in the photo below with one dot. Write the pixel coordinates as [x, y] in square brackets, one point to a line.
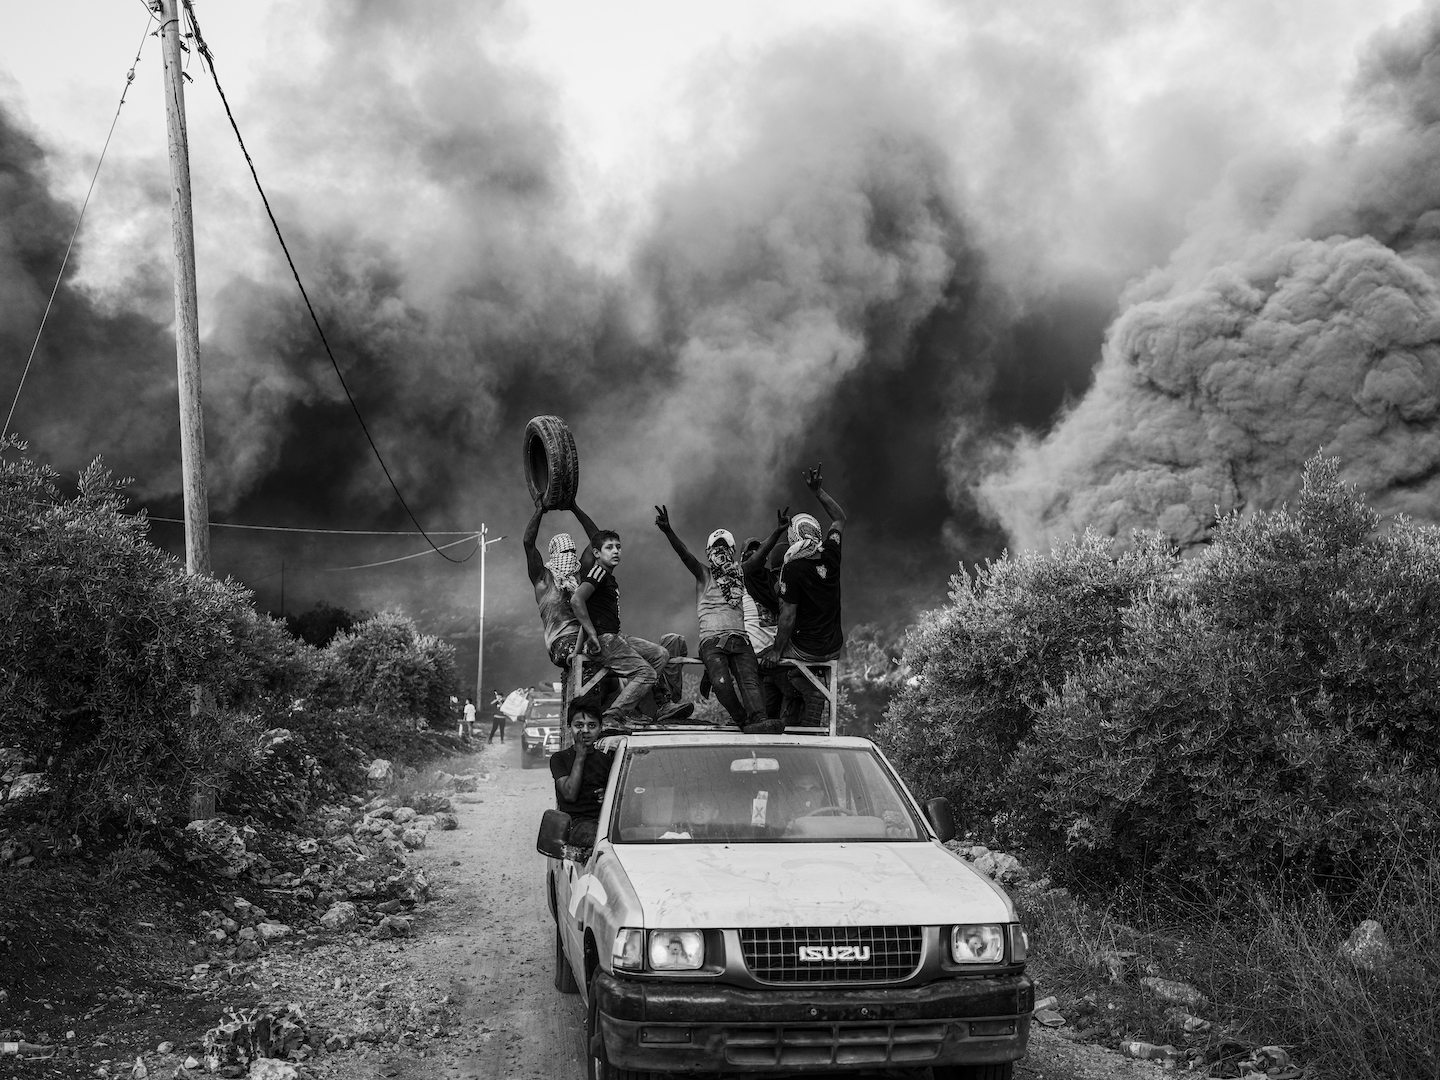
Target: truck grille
[890, 953]
[819, 1045]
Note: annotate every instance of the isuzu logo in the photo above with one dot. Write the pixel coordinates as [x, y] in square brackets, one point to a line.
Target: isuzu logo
[814, 954]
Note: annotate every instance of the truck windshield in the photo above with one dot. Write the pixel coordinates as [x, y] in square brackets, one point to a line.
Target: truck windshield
[784, 794]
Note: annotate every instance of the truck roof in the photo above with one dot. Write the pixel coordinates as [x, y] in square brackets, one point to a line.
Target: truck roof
[699, 736]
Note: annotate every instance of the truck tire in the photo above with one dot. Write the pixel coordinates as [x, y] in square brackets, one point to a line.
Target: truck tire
[1004, 1070]
[552, 464]
[564, 977]
[526, 761]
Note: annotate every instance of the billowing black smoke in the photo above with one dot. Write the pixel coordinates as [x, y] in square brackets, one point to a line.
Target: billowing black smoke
[816, 293]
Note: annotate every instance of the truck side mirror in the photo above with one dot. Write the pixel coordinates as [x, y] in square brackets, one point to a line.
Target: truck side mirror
[942, 818]
[553, 828]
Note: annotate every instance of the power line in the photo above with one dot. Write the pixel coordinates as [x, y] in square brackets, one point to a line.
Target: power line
[318, 532]
[387, 562]
[129, 78]
[209, 59]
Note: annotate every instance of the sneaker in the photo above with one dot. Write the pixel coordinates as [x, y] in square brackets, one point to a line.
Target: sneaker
[673, 714]
[765, 727]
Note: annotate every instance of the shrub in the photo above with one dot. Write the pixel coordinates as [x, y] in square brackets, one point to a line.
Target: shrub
[983, 665]
[1271, 708]
[387, 665]
[127, 676]
[1267, 708]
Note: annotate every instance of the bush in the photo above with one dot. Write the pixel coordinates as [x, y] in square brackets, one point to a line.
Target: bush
[131, 679]
[1266, 709]
[1271, 708]
[983, 666]
[387, 665]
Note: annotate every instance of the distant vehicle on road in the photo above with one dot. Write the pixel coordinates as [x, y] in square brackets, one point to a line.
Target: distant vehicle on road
[780, 903]
[540, 736]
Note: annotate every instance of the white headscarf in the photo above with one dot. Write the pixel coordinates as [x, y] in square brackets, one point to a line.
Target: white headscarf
[805, 538]
[563, 562]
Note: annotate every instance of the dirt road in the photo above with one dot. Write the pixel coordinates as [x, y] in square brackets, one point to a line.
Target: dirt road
[488, 936]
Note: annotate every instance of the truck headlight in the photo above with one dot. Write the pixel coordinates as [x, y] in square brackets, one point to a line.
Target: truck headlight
[533, 733]
[629, 951]
[676, 950]
[982, 944]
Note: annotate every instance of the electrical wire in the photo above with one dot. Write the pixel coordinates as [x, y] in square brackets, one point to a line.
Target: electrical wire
[387, 562]
[318, 532]
[209, 61]
[129, 79]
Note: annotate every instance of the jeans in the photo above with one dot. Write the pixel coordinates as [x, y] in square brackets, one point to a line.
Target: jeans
[774, 681]
[638, 662]
[816, 710]
[735, 676]
[497, 723]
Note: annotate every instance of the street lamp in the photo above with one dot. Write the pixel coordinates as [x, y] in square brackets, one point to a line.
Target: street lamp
[480, 652]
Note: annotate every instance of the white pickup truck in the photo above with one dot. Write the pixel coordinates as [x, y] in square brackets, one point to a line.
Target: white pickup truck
[780, 904]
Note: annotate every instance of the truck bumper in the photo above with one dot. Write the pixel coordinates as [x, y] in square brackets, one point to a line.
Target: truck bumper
[705, 1027]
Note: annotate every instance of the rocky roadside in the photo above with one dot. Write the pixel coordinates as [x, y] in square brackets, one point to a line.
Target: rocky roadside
[294, 965]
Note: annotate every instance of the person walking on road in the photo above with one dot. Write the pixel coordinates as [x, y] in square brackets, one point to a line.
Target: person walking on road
[467, 723]
[497, 721]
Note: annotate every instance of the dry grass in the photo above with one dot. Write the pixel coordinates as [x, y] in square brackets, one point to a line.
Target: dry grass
[1270, 967]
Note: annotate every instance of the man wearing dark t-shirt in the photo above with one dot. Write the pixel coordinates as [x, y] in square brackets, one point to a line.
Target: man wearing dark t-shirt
[761, 566]
[581, 773]
[809, 594]
[596, 603]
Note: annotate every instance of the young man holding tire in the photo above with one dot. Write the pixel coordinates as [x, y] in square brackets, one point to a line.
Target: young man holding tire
[555, 580]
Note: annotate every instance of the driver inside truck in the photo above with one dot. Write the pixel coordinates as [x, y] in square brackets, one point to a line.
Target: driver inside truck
[581, 773]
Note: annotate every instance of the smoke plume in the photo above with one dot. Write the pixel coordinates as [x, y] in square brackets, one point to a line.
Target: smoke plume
[1302, 313]
[892, 246]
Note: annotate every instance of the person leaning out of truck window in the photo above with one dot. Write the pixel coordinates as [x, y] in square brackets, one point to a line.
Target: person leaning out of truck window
[581, 773]
[809, 592]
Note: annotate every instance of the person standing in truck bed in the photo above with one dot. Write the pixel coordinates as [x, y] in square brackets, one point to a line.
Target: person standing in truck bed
[809, 594]
[725, 649]
[555, 580]
[761, 566]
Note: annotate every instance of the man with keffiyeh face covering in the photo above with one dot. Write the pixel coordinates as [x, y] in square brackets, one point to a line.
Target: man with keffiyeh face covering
[809, 593]
[555, 580]
[725, 648]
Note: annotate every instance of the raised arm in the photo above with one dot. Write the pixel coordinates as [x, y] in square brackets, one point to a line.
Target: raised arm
[534, 563]
[813, 482]
[757, 558]
[585, 523]
[662, 521]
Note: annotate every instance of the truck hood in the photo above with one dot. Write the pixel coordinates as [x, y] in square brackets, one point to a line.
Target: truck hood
[750, 885]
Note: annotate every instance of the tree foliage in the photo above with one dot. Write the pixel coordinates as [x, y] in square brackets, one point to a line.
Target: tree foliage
[132, 684]
[1267, 708]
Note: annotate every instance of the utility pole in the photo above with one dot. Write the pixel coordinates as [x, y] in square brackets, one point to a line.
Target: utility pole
[480, 653]
[187, 324]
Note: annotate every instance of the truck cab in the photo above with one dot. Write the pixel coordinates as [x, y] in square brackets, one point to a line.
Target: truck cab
[780, 904]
